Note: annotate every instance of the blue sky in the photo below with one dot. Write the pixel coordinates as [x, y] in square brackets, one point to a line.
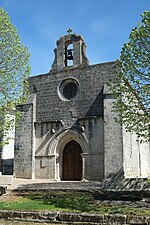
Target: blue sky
[105, 26]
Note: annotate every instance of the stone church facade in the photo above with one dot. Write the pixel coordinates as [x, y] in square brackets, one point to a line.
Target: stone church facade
[67, 129]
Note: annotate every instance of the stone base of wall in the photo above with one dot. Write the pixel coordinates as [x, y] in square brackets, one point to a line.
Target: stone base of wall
[119, 182]
[74, 218]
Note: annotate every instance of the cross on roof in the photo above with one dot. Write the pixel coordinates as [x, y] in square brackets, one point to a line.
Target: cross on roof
[69, 31]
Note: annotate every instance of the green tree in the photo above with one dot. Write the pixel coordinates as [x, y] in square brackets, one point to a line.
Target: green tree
[132, 83]
[14, 71]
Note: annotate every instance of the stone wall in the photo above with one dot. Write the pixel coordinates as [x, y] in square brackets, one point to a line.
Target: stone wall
[46, 153]
[54, 113]
[73, 102]
[49, 116]
[23, 157]
[136, 156]
[75, 218]
[113, 150]
[88, 101]
[94, 155]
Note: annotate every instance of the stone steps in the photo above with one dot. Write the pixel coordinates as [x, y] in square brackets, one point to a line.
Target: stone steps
[81, 186]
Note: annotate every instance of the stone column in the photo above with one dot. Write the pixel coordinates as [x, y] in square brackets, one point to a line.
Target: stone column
[83, 165]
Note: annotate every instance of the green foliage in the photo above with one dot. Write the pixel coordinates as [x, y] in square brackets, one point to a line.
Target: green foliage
[14, 71]
[132, 84]
[148, 181]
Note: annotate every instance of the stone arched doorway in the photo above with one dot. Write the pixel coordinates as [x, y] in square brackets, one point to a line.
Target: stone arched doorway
[72, 161]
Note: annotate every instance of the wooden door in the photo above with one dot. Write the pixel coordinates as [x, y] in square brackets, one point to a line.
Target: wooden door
[72, 162]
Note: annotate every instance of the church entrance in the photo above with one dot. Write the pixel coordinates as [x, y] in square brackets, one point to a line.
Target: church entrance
[72, 161]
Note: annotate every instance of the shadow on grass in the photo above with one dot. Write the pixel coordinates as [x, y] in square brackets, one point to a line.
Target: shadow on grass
[79, 201]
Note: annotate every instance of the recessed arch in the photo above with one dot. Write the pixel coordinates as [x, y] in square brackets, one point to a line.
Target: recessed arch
[57, 145]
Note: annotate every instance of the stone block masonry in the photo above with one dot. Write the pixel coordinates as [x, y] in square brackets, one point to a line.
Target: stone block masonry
[88, 101]
[74, 218]
[23, 143]
[68, 131]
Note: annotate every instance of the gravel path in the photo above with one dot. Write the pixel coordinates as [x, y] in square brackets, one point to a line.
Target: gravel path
[9, 222]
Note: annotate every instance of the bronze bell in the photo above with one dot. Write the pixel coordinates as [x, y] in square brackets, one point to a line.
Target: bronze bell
[69, 54]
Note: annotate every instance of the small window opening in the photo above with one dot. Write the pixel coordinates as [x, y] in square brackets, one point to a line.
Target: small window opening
[70, 90]
[69, 55]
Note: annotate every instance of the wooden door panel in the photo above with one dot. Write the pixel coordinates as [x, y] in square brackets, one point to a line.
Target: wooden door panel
[72, 161]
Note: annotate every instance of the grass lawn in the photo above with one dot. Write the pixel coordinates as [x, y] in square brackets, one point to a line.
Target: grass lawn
[64, 201]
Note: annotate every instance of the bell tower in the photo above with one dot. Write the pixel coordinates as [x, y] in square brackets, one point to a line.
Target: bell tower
[70, 51]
